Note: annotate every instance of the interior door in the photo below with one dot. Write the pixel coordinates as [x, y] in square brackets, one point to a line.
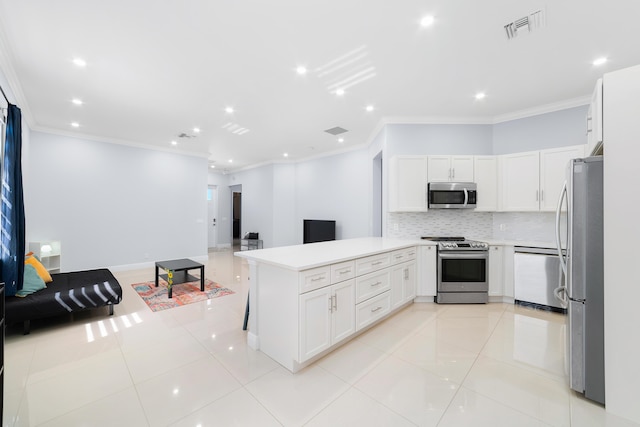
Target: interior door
[212, 216]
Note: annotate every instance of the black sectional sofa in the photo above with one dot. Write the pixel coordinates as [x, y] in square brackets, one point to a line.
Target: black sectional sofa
[67, 293]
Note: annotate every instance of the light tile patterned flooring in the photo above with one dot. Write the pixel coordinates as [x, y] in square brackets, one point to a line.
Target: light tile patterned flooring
[428, 365]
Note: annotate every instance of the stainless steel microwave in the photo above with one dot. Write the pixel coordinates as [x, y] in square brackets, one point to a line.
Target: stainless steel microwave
[452, 195]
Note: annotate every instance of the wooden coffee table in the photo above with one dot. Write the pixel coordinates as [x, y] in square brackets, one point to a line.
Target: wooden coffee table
[177, 272]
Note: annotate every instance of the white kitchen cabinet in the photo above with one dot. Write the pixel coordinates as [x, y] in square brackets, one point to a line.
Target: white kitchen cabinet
[532, 181]
[427, 273]
[485, 171]
[326, 317]
[594, 119]
[450, 168]
[521, 181]
[496, 271]
[553, 167]
[408, 184]
[507, 271]
[403, 283]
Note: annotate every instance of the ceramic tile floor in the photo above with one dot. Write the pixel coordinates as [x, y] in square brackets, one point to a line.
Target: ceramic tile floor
[428, 365]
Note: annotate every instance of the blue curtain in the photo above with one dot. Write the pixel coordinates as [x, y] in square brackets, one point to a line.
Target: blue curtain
[13, 250]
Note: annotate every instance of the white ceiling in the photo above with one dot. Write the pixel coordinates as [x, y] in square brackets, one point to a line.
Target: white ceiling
[156, 69]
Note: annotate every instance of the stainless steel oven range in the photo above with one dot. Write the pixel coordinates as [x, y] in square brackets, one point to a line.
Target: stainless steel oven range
[462, 271]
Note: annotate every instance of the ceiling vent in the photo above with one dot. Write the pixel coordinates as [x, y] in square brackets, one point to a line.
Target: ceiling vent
[525, 24]
[336, 130]
[184, 135]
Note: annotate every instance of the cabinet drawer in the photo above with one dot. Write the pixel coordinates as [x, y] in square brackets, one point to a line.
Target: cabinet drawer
[403, 255]
[314, 278]
[372, 263]
[372, 284]
[343, 271]
[372, 310]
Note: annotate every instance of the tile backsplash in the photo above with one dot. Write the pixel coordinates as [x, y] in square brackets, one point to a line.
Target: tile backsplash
[525, 226]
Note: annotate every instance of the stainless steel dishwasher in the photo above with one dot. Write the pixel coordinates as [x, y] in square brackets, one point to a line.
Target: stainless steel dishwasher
[536, 275]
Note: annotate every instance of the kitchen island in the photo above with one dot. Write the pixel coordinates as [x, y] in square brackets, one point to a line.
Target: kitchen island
[306, 300]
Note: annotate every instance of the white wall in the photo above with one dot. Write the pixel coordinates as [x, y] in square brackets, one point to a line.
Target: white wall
[551, 130]
[621, 231]
[336, 188]
[284, 205]
[421, 139]
[114, 205]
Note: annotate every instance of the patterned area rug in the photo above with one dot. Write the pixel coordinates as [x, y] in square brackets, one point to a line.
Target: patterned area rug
[185, 293]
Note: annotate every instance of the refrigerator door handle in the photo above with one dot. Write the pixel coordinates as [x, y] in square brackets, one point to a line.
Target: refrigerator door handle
[561, 291]
[563, 195]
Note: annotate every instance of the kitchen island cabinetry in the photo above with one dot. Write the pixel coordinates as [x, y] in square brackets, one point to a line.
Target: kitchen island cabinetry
[302, 307]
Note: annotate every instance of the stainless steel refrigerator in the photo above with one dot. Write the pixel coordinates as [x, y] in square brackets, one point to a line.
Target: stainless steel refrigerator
[583, 267]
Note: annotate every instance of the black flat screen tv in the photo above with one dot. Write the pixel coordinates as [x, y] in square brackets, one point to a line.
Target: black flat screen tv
[317, 230]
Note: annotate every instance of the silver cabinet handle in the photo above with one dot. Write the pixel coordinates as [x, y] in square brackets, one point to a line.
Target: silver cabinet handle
[453, 173]
[377, 263]
[330, 304]
[541, 195]
[317, 279]
[373, 310]
[537, 194]
[376, 284]
[345, 271]
[406, 273]
[335, 302]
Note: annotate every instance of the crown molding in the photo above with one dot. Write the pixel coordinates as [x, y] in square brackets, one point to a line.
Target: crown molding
[542, 109]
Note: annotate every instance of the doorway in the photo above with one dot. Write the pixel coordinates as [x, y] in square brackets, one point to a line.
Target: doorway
[237, 216]
[212, 217]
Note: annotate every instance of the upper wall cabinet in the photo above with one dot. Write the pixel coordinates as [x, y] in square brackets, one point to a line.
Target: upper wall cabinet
[532, 181]
[485, 170]
[450, 168]
[594, 119]
[408, 184]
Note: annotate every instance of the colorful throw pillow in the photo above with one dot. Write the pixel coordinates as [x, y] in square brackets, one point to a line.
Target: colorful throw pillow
[40, 269]
[32, 282]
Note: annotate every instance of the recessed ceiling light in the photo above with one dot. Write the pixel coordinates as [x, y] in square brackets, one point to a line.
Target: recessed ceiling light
[339, 92]
[174, 142]
[196, 130]
[212, 166]
[75, 124]
[229, 110]
[77, 101]
[480, 95]
[369, 108]
[427, 21]
[230, 160]
[301, 70]
[286, 154]
[600, 61]
[341, 140]
[80, 62]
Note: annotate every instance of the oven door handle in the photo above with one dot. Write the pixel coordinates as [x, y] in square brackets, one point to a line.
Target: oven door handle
[464, 255]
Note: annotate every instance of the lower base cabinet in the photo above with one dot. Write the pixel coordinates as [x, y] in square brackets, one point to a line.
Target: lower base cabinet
[403, 280]
[326, 317]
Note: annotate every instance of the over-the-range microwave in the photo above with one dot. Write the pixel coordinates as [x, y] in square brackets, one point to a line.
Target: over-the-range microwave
[452, 195]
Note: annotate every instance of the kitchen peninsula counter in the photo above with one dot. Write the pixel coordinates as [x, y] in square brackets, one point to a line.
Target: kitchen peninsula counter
[305, 300]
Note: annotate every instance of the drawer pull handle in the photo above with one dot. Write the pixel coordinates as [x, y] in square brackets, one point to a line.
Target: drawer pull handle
[412, 253]
[317, 278]
[377, 263]
[399, 256]
[344, 271]
[376, 284]
[373, 310]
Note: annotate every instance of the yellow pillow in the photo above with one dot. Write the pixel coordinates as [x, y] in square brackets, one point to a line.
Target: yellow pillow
[40, 269]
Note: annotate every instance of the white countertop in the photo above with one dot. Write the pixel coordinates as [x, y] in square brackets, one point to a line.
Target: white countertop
[304, 257]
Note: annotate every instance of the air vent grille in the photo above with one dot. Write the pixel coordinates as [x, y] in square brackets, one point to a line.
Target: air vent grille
[525, 25]
[336, 130]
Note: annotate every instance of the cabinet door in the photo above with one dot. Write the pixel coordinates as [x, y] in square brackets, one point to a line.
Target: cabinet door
[397, 285]
[553, 167]
[343, 318]
[485, 172]
[408, 184]
[507, 270]
[409, 281]
[439, 169]
[427, 271]
[462, 168]
[520, 181]
[315, 322]
[496, 285]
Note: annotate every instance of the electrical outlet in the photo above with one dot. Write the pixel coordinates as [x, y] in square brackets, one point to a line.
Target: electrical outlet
[503, 227]
[396, 227]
